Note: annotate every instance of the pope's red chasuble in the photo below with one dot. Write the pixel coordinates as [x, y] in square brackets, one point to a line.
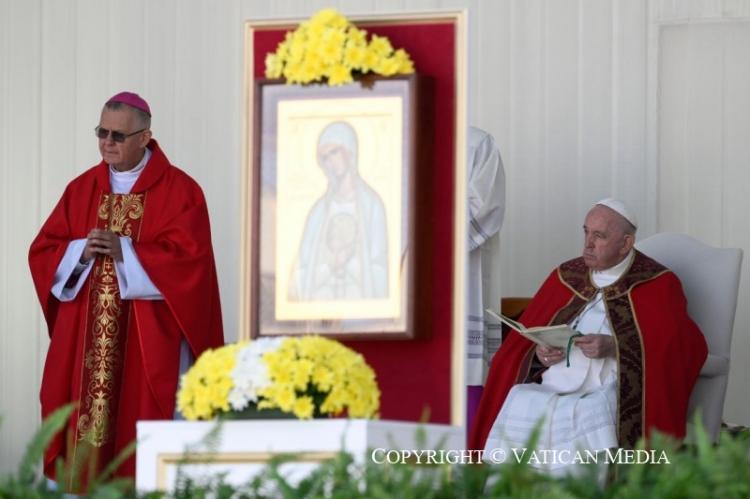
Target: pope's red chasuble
[660, 350]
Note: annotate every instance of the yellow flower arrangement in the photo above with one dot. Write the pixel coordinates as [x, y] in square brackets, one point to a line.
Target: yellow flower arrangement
[329, 48]
[306, 376]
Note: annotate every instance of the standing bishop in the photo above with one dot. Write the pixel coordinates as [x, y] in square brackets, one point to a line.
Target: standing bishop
[124, 271]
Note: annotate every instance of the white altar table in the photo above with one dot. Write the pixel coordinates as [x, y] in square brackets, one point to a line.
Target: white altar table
[242, 448]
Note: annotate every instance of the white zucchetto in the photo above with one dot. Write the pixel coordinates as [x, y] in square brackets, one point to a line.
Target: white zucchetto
[621, 208]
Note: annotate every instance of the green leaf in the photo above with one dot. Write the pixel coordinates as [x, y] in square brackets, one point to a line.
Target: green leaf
[35, 450]
[113, 465]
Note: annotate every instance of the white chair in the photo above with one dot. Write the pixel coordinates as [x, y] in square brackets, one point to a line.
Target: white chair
[710, 278]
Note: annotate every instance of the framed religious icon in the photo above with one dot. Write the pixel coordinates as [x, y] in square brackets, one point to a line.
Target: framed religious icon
[340, 183]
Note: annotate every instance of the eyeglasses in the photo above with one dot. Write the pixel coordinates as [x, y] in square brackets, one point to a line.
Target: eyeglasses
[120, 137]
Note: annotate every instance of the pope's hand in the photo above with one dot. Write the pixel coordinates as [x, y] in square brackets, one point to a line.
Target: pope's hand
[549, 355]
[596, 346]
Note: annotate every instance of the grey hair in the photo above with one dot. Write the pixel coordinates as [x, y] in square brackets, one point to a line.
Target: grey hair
[625, 225]
[622, 223]
[142, 118]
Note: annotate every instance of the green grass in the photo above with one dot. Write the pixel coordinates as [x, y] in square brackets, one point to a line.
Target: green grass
[700, 470]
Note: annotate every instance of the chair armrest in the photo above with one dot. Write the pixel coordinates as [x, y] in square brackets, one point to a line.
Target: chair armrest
[715, 365]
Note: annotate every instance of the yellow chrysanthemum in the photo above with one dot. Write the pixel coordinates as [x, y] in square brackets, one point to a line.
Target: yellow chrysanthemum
[405, 64]
[357, 36]
[304, 407]
[291, 72]
[371, 60]
[302, 372]
[330, 53]
[279, 368]
[308, 72]
[334, 37]
[322, 378]
[285, 398]
[273, 66]
[282, 51]
[314, 30]
[381, 46]
[354, 56]
[339, 75]
[329, 17]
[297, 48]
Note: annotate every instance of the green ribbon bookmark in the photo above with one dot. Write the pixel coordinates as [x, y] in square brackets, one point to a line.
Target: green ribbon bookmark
[570, 345]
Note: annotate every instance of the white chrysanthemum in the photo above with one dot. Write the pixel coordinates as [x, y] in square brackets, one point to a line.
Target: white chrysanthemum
[250, 373]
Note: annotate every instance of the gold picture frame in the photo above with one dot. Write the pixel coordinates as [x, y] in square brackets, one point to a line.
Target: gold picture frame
[336, 226]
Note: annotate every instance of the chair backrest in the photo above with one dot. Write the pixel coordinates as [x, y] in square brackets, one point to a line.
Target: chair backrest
[710, 279]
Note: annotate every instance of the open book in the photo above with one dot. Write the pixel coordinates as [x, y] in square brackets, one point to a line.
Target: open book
[550, 336]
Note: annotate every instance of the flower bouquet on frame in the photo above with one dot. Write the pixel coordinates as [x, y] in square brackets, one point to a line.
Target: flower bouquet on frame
[328, 48]
[303, 377]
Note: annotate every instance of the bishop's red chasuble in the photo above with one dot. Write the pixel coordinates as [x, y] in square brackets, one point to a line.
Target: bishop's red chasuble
[660, 350]
[119, 359]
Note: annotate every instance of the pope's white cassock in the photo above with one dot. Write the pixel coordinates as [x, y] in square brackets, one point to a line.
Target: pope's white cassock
[578, 403]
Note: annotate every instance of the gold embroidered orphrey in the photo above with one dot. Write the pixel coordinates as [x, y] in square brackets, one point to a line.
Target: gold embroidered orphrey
[107, 325]
[630, 351]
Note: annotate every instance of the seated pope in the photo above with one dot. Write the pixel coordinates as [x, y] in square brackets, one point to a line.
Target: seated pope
[630, 373]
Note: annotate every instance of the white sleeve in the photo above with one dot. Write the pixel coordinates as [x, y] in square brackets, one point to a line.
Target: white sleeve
[131, 276]
[70, 269]
[486, 203]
